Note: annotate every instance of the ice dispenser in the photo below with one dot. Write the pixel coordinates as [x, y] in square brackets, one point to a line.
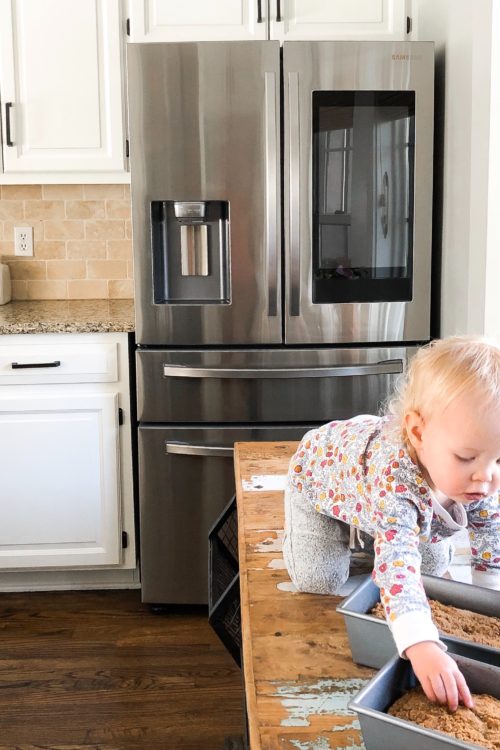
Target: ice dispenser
[190, 242]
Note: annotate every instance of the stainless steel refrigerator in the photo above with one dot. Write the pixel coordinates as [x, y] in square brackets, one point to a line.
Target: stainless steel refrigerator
[281, 205]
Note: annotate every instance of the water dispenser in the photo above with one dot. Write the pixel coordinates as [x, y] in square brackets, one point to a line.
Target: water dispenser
[190, 243]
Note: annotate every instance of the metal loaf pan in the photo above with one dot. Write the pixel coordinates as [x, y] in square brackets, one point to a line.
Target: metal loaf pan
[371, 640]
[384, 732]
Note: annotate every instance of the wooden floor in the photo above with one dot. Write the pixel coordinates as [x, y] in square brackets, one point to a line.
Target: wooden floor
[100, 671]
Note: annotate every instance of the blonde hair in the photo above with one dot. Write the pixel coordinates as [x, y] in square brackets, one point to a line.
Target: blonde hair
[443, 370]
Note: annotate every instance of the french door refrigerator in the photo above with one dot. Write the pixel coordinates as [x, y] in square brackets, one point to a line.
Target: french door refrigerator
[281, 207]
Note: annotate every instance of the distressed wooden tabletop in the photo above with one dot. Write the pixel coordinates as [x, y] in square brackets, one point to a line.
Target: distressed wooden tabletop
[299, 675]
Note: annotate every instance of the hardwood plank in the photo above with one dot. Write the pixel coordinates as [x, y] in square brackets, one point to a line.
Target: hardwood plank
[99, 670]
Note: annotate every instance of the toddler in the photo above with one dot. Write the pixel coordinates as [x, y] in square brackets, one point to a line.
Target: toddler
[406, 482]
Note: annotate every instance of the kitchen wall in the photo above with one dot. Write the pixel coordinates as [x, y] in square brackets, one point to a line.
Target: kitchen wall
[467, 165]
[82, 241]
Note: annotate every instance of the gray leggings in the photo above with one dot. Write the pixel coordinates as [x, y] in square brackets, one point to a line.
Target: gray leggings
[317, 554]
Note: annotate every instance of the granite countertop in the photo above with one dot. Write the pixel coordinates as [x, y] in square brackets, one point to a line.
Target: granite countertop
[67, 316]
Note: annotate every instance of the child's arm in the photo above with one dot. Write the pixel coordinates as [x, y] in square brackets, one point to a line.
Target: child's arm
[441, 680]
[484, 535]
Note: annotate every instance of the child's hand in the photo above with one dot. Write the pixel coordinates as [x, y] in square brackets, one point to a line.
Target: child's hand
[439, 675]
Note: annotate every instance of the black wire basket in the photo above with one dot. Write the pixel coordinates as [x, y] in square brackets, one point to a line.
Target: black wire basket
[224, 614]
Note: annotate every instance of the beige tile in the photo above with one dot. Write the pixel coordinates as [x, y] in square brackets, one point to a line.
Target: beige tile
[130, 269]
[47, 290]
[43, 210]
[19, 289]
[50, 249]
[22, 192]
[37, 231]
[28, 269]
[106, 269]
[6, 248]
[128, 230]
[120, 289]
[63, 192]
[66, 269]
[85, 209]
[87, 289]
[76, 249]
[64, 230]
[11, 210]
[119, 250]
[103, 191]
[111, 229]
[126, 191]
[116, 209]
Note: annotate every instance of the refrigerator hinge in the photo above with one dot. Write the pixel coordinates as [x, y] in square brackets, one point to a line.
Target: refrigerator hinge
[120, 415]
[408, 24]
[128, 26]
[124, 540]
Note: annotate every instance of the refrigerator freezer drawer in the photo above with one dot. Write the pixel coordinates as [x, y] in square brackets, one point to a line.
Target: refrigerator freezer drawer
[266, 385]
[186, 478]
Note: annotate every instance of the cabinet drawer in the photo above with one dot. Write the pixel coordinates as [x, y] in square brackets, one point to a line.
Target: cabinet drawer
[58, 363]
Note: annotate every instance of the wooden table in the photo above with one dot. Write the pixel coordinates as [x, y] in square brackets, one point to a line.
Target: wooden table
[299, 675]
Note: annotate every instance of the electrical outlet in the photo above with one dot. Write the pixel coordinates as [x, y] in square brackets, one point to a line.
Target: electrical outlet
[23, 241]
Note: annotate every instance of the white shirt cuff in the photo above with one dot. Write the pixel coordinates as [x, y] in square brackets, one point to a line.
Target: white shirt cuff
[414, 627]
[490, 579]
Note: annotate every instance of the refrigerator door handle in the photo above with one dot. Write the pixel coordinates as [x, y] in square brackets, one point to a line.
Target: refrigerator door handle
[185, 449]
[387, 367]
[294, 146]
[272, 188]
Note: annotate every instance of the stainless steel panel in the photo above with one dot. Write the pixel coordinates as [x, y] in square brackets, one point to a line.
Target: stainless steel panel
[384, 732]
[317, 66]
[265, 385]
[203, 126]
[186, 477]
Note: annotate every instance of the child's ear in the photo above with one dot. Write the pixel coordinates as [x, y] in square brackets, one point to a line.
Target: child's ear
[414, 428]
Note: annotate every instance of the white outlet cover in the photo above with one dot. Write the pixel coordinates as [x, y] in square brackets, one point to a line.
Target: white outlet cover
[23, 241]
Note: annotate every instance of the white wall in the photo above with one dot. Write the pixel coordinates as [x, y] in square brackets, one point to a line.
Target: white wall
[462, 31]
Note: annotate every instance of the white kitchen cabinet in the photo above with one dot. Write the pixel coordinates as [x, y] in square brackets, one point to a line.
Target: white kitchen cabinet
[197, 20]
[65, 461]
[338, 19]
[62, 91]
[190, 20]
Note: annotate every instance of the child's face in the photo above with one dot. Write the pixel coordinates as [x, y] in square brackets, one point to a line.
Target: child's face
[459, 448]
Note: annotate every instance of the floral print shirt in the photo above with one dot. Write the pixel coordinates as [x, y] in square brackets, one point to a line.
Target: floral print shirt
[358, 472]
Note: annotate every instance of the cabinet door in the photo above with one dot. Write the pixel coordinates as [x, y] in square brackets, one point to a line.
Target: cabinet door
[60, 76]
[60, 477]
[337, 19]
[197, 20]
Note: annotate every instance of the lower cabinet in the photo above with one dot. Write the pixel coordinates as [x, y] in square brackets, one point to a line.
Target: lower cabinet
[65, 457]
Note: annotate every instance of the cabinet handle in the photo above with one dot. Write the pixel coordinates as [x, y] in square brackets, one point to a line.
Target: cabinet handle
[278, 11]
[259, 11]
[24, 366]
[186, 449]
[9, 140]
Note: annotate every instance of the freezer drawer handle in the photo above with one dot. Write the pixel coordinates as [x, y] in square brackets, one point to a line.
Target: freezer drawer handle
[184, 449]
[387, 367]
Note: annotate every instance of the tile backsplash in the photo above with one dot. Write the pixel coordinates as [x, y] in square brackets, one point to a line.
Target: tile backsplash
[82, 241]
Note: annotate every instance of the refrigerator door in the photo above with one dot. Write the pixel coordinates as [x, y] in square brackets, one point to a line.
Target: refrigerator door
[186, 478]
[205, 184]
[265, 385]
[358, 148]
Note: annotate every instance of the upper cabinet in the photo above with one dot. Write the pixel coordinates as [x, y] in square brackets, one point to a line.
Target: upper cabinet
[62, 91]
[198, 20]
[291, 20]
[193, 20]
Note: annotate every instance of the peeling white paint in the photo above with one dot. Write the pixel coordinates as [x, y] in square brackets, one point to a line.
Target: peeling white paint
[286, 586]
[277, 563]
[264, 483]
[270, 543]
[322, 743]
[323, 697]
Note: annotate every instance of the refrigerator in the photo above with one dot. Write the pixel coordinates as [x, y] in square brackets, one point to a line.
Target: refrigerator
[281, 213]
